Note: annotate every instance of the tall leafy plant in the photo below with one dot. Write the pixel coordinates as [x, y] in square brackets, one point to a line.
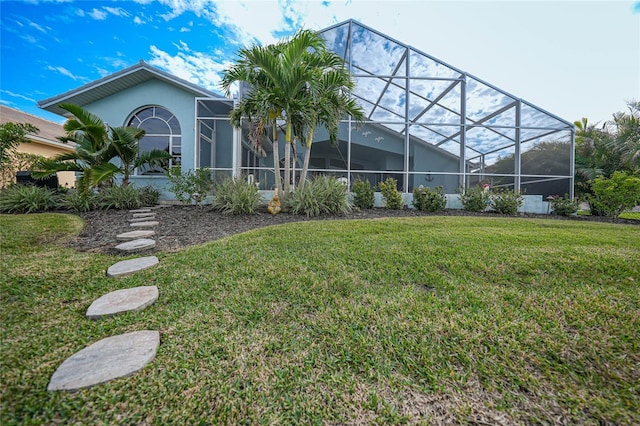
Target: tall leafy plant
[102, 152]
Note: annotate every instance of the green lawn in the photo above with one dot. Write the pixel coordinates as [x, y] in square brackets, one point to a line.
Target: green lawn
[431, 319]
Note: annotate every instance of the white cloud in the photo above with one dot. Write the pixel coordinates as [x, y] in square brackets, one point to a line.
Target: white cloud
[66, 73]
[37, 27]
[17, 95]
[117, 11]
[195, 67]
[98, 15]
[138, 21]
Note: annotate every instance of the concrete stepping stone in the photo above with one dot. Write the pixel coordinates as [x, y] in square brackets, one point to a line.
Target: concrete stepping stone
[149, 224]
[131, 266]
[134, 235]
[136, 245]
[140, 211]
[125, 300]
[106, 359]
[136, 215]
[141, 219]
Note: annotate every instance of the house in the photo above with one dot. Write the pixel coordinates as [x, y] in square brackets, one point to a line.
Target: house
[44, 143]
[428, 123]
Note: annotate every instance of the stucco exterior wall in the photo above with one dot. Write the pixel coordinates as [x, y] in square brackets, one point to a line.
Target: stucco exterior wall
[117, 109]
[65, 179]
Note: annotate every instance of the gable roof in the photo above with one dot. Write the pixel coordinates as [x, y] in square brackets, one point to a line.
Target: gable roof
[117, 82]
[49, 131]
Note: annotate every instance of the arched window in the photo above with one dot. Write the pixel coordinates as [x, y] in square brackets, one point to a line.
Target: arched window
[162, 131]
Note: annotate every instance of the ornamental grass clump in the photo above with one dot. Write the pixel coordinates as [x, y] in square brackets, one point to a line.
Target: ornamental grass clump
[236, 196]
[506, 202]
[392, 197]
[321, 195]
[475, 199]
[363, 194]
[149, 195]
[119, 198]
[427, 199]
[26, 199]
[78, 201]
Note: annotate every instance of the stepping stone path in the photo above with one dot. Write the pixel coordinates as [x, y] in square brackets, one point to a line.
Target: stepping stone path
[141, 219]
[136, 245]
[137, 215]
[149, 224]
[134, 235]
[131, 266]
[122, 355]
[106, 359]
[125, 300]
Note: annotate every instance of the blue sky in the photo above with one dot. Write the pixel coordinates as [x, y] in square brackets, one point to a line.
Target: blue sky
[573, 58]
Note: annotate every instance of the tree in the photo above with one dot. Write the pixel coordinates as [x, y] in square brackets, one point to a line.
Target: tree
[97, 145]
[329, 102]
[625, 132]
[12, 135]
[286, 83]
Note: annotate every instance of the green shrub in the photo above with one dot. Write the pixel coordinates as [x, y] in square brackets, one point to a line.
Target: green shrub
[119, 198]
[563, 206]
[475, 199]
[506, 202]
[363, 194]
[392, 197]
[236, 196]
[191, 186]
[322, 195]
[430, 200]
[74, 200]
[149, 195]
[613, 196]
[26, 199]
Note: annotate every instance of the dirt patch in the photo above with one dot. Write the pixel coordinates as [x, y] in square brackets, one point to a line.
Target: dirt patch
[184, 226]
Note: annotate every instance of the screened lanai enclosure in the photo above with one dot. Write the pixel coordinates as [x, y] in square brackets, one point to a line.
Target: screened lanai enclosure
[427, 123]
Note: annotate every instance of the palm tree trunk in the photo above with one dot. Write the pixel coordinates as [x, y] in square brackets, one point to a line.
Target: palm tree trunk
[307, 156]
[287, 160]
[276, 157]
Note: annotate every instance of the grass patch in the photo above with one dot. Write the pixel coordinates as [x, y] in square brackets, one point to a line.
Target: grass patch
[459, 319]
[630, 215]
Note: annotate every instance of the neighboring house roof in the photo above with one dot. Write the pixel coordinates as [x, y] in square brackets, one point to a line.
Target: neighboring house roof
[118, 82]
[49, 131]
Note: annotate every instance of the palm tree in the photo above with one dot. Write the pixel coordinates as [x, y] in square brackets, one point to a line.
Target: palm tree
[281, 77]
[329, 102]
[96, 146]
[625, 128]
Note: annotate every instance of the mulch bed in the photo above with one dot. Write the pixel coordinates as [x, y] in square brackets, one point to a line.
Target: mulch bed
[184, 226]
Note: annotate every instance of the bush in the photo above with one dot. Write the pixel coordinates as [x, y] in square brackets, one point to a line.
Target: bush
[119, 198]
[614, 195]
[475, 199]
[506, 202]
[26, 199]
[391, 195]
[191, 186]
[236, 196]
[74, 200]
[563, 206]
[322, 195]
[364, 195]
[149, 195]
[430, 200]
